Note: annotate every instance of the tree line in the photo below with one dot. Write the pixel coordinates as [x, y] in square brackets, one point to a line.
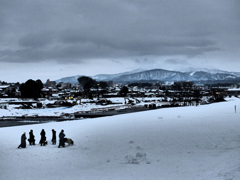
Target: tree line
[33, 89]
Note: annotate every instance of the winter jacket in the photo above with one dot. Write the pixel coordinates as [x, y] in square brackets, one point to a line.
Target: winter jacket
[61, 135]
[31, 136]
[43, 136]
[53, 135]
[23, 141]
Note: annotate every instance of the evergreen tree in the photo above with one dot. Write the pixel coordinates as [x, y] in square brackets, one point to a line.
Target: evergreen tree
[123, 92]
[31, 89]
[87, 83]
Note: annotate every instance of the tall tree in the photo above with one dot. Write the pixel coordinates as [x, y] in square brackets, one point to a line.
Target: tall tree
[103, 88]
[103, 84]
[123, 92]
[87, 83]
[31, 89]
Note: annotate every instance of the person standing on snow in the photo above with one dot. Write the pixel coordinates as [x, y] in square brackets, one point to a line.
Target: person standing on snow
[31, 138]
[53, 136]
[23, 141]
[43, 138]
[61, 139]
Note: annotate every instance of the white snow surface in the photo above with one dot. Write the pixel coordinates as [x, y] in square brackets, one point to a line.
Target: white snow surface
[184, 143]
[12, 111]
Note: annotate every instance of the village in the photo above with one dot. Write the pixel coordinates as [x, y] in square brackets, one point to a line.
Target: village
[64, 101]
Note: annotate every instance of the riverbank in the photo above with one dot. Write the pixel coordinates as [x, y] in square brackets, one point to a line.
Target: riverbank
[18, 121]
[16, 117]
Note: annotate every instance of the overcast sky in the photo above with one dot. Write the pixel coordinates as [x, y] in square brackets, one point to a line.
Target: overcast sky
[41, 39]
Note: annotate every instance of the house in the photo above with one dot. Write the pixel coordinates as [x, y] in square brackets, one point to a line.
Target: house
[233, 92]
[50, 83]
[3, 90]
[48, 92]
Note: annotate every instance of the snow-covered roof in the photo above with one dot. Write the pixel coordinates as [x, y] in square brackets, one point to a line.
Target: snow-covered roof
[44, 89]
[149, 93]
[4, 86]
[234, 89]
[55, 95]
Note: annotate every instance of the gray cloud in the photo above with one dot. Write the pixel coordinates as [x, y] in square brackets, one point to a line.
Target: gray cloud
[176, 62]
[73, 31]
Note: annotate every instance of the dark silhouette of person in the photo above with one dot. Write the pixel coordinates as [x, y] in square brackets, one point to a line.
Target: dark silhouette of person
[23, 141]
[31, 138]
[61, 139]
[53, 136]
[43, 138]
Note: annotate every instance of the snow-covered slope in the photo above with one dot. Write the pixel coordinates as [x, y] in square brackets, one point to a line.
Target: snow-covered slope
[71, 79]
[165, 75]
[98, 77]
[155, 74]
[211, 71]
[109, 77]
[190, 143]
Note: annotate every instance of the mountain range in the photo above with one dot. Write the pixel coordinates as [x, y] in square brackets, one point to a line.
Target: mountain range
[162, 75]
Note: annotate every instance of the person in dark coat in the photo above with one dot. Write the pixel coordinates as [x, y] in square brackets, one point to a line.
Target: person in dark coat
[31, 138]
[23, 141]
[61, 139]
[43, 139]
[53, 136]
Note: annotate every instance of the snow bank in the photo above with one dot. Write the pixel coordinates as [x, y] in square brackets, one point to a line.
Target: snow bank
[190, 143]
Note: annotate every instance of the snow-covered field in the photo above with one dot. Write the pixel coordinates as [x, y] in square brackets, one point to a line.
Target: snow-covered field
[14, 111]
[184, 143]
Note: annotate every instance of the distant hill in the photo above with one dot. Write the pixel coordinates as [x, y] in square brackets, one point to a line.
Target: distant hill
[197, 75]
[71, 79]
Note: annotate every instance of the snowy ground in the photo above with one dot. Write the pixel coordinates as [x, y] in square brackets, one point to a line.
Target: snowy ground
[13, 111]
[184, 143]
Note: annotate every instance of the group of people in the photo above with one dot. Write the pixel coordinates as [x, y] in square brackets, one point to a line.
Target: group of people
[43, 139]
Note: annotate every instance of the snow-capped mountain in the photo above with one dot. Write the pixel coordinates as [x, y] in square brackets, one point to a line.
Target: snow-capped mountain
[71, 79]
[155, 74]
[206, 76]
[107, 77]
[211, 71]
[190, 74]
[98, 77]
[166, 75]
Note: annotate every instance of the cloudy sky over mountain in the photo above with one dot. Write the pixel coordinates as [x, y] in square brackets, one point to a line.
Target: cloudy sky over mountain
[44, 39]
